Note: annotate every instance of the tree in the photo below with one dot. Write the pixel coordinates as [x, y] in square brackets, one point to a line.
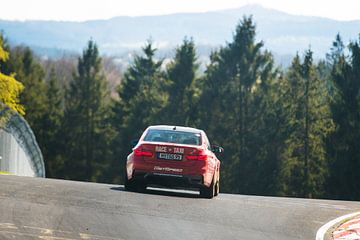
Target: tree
[51, 141]
[86, 127]
[231, 104]
[142, 93]
[304, 160]
[10, 89]
[142, 97]
[30, 73]
[183, 92]
[343, 143]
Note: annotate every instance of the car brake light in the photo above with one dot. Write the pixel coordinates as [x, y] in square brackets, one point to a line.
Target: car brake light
[142, 153]
[197, 157]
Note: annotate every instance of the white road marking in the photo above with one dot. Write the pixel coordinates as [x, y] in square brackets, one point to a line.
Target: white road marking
[322, 231]
[8, 226]
[34, 235]
[48, 231]
[84, 236]
[48, 234]
[54, 238]
[90, 236]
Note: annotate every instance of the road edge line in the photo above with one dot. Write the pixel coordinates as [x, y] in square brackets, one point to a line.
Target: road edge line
[320, 234]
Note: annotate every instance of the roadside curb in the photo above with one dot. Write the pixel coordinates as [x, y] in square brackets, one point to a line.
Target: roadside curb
[325, 232]
[349, 229]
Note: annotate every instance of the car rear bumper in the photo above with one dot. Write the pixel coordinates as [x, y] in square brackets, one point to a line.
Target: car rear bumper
[169, 180]
[194, 174]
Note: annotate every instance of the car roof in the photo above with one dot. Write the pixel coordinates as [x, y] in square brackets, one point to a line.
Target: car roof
[176, 128]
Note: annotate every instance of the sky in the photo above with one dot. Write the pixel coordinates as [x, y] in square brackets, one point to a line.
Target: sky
[81, 10]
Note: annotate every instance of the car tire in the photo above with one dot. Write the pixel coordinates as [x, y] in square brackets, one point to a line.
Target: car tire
[208, 192]
[135, 186]
[129, 184]
[217, 188]
[140, 185]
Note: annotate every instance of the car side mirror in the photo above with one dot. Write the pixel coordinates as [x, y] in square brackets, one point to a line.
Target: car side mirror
[217, 149]
[134, 142]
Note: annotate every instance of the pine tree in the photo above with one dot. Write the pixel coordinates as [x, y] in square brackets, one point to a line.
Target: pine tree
[183, 92]
[142, 97]
[230, 104]
[142, 93]
[343, 143]
[87, 130]
[309, 123]
[51, 142]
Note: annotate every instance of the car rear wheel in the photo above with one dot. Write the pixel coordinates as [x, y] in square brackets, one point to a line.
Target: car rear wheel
[208, 192]
[217, 188]
[129, 185]
[134, 185]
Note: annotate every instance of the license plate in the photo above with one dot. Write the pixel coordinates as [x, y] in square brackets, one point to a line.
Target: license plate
[169, 156]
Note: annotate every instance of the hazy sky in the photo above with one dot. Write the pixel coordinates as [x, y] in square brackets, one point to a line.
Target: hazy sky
[79, 10]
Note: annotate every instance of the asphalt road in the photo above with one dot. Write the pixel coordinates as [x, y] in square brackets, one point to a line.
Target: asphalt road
[34, 208]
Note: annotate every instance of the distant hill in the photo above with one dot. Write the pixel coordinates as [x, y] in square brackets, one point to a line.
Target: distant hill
[284, 34]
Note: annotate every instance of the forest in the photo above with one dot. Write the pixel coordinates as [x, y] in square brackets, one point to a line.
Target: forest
[286, 131]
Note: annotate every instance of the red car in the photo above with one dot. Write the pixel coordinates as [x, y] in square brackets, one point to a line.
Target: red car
[175, 157]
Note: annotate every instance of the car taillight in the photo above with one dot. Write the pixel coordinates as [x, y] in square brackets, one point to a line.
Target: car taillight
[197, 157]
[142, 153]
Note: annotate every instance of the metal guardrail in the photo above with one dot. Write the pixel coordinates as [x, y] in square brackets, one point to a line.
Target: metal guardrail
[17, 126]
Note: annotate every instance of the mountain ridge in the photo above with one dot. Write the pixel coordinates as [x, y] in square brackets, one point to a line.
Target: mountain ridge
[282, 33]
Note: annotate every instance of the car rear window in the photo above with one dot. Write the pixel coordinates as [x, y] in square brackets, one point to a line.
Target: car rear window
[172, 136]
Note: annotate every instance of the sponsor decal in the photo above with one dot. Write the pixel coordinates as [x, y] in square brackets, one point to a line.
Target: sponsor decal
[178, 150]
[168, 169]
[165, 149]
[161, 149]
